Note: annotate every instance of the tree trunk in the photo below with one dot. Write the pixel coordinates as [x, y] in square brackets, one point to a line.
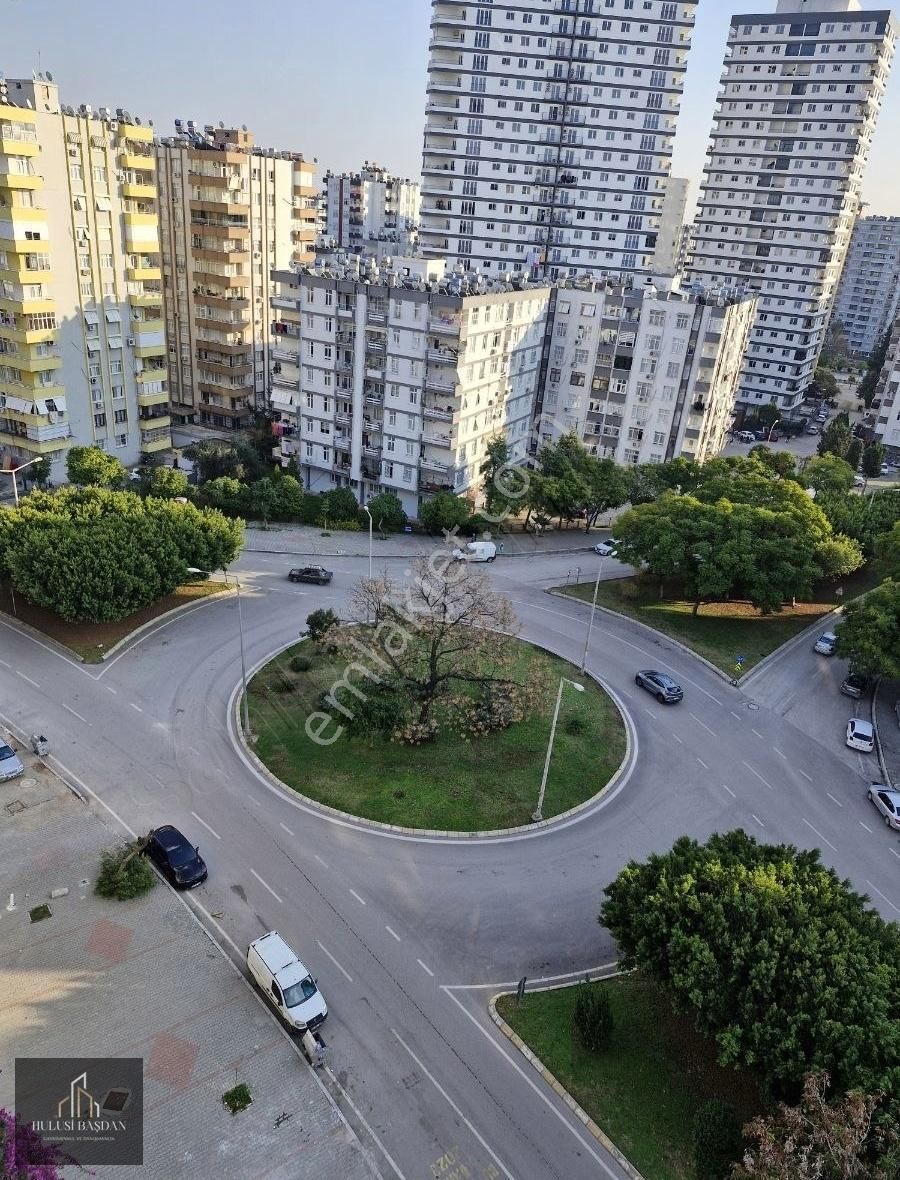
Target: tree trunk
[662, 589]
[696, 609]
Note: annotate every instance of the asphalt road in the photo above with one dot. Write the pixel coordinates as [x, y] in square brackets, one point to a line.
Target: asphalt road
[408, 936]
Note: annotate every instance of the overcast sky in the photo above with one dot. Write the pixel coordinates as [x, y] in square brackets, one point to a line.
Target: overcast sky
[340, 80]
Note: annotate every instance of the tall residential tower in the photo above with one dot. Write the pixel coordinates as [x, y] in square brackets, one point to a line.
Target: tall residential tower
[548, 134]
[868, 298]
[801, 93]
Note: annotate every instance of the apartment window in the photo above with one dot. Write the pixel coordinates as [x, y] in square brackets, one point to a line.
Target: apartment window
[121, 441]
[99, 421]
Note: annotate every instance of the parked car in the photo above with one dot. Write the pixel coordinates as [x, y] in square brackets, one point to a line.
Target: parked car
[477, 551]
[855, 685]
[887, 802]
[10, 763]
[177, 858]
[311, 573]
[285, 982]
[886, 469]
[746, 436]
[859, 481]
[666, 690]
[812, 428]
[860, 735]
[824, 645]
[606, 548]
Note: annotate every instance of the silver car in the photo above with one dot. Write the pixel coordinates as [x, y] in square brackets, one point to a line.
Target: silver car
[887, 802]
[860, 735]
[10, 763]
[824, 645]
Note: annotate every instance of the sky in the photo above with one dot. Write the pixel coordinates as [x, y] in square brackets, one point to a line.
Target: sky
[339, 80]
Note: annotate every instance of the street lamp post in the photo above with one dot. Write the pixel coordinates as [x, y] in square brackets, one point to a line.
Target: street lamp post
[771, 428]
[369, 514]
[13, 472]
[538, 814]
[587, 642]
[245, 707]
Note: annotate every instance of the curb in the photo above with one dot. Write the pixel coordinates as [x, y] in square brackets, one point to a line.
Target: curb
[561, 1092]
[163, 618]
[404, 556]
[652, 631]
[426, 833]
[48, 640]
[822, 623]
[885, 773]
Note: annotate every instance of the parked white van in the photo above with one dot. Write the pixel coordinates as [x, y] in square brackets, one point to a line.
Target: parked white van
[476, 551]
[285, 982]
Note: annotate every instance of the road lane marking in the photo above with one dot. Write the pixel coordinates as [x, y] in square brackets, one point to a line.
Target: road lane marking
[729, 790]
[705, 726]
[323, 863]
[136, 707]
[252, 798]
[759, 735]
[34, 683]
[459, 1114]
[425, 968]
[5, 665]
[326, 951]
[875, 889]
[779, 753]
[764, 782]
[703, 764]
[109, 688]
[819, 834]
[69, 709]
[805, 775]
[677, 738]
[361, 900]
[286, 828]
[737, 715]
[866, 826]
[539, 1090]
[362, 1119]
[894, 852]
[265, 886]
[206, 825]
[758, 820]
[833, 800]
[393, 933]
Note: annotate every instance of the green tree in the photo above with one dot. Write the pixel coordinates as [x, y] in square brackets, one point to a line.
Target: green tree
[311, 507]
[873, 457]
[38, 473]
[836, 438]
[887, 550]
[869, 634]
[608, 487]
[340, 504]
[767, 415]
[165, 483]
[288, 498]
[854, 453]
[91, 467]
[826, 383]
[234, 459]
[827, 473]
[504, 484]
[775, 957]
[864, 518]
[717, 1140]
[320, 623]
[227, 494]
[387, 512]
[780, 463]
[444, 512]
[263, 499]
[869, 383]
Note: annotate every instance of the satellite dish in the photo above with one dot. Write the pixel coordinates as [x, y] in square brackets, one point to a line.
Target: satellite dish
[243, 126]
[49, 76]
[221, 125]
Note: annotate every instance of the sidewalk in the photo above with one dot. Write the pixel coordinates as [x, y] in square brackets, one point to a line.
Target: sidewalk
[140, 979]
[307, 541]
[889, 728]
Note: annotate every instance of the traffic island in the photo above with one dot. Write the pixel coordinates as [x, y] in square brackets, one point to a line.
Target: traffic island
[485, 782]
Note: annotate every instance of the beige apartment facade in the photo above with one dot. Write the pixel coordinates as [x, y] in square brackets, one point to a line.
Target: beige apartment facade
[82, 344]
[232, 214]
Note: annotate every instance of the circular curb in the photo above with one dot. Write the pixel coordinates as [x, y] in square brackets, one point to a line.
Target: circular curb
[561, 1092]
[623, 770]
[167, 617]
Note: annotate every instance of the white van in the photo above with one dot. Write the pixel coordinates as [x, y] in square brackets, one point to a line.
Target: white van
[285, 982]
[476, 551]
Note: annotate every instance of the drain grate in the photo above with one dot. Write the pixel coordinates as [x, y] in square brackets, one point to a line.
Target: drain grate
[15, 807]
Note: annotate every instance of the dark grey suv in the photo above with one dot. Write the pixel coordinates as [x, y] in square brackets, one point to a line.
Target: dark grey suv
[311, 573]
[666, 690]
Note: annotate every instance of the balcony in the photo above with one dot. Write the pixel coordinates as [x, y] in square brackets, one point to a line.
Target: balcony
[433, 465]
[441, 384]
[445, 323]
[282, 303]
[443, 356]
[439, 415]
[147, 399]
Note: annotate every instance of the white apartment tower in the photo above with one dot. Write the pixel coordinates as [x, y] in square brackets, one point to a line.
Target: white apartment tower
[549, 130]
[370, 206]
[82, 343]
[231, 214]
[868, 297]
[886, 402]
[801, 92]
[396, 378]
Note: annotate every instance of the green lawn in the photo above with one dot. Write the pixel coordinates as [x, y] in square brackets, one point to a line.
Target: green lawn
[645, 1089]
[722, 630]
[449, 784]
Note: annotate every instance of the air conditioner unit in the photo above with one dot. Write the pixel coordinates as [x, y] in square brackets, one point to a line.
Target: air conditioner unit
[85, 270]
[130, 342]
[73, 152]
[95, 381]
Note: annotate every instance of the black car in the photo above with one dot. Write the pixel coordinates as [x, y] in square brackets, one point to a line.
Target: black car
[666, 690]
[178, 860]
[855, 685]
[311, 573]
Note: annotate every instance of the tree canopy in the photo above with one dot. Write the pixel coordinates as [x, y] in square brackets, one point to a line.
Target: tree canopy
[387, 511]
[91, 467]
[869, 634]
[828, 473]
[445, 512]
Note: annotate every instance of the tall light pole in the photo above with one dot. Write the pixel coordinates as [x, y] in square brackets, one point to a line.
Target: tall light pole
[369, 514]
[245, 707]
[538, 814]
[13, 471]
[587, 642]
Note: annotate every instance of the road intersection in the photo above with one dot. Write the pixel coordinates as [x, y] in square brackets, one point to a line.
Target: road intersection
[410, 936]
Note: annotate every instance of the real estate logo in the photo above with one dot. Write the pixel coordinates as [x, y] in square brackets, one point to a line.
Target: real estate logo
[90, 1108]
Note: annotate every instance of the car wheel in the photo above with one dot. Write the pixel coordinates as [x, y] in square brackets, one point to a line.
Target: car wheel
[639, 682]
[661, 697]
[887, 820]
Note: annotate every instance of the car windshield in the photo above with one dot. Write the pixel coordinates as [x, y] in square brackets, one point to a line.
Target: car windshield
[180, 856]
[6, 752]
[298, 993]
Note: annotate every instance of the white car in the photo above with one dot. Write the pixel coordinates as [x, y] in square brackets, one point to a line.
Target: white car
[606, 548]
[887, 802]
[860, 735]
[824, 645]
[10, 763]
[859, 481]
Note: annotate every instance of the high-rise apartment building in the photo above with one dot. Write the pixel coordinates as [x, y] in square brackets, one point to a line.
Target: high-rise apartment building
[801, 93]
[82, 345]
[886, 403]
[548, 133]
[362, 209]
[868, 297]
[396, 379]
[669, 256]
[644, 374]
[231, 214]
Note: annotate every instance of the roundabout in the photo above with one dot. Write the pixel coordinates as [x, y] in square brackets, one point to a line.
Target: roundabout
[411, 935]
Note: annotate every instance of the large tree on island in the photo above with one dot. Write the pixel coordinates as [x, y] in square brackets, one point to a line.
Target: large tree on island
[869, 634]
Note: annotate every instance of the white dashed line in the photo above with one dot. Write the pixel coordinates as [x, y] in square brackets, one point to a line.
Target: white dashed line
[206, 825]
[758, 820]
[759, 735]
[253, 799]
[705, 726]
[137, 708]
[779, 753]
[34, 683]
[866, 826]
[729, 790]
[326, 951]
[286, 829]
[677, 739]
[69, 709]
[833, 800]
[737, 715]
[265, 886]
[819, 834]
[703, 764]
[114, 691]
[323, 863]
[764, 782]
[894, 852]
[361, 900]
[392, 933]
[805, 775]
[882, 896]
[425, 968]
[5, 665]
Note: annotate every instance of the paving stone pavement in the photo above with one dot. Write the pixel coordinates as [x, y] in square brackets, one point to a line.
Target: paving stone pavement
[140, 979]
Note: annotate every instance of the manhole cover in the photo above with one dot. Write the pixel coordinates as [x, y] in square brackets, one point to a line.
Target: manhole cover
[29, 782]
[16, 806]
[753, 705]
